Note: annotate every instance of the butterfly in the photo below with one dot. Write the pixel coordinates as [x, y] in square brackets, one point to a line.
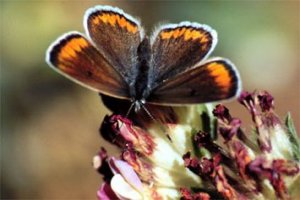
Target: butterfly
[170, 68]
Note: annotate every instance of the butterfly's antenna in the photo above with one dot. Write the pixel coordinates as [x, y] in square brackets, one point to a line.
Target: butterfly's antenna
[160, 125]
[128, 112]
[130, 109]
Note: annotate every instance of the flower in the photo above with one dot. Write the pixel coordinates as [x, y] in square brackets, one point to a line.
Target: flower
[208, 155]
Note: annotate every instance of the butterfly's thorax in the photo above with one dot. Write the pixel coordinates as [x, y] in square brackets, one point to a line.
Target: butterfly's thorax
[138, 88]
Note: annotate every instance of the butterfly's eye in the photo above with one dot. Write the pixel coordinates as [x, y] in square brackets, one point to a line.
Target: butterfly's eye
[143, 101]
[137, 106]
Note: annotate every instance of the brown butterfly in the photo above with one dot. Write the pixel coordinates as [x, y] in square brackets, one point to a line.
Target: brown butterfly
[117, 59]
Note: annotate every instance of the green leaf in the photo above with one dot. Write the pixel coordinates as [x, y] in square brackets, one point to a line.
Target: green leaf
[293, 136]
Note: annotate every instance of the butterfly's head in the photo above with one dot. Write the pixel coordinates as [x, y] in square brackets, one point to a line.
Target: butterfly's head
[138, 104]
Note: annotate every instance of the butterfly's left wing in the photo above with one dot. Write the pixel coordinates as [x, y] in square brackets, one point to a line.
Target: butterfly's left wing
[215, 80]
[117, 36]
[73, 56]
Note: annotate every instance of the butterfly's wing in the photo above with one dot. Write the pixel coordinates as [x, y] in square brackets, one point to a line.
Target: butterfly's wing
[178, 47]
[117, 36]
[75, 57]
[105, 61]
[216, 79]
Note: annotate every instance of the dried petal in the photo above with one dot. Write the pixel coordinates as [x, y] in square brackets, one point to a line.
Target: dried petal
[286, 167]
[260, 167]
[141, 168]
[106, 193]
[231, 129]
[127, 172]
[274, 171]
[100, 158]
[242, 157]
[203, 139]
[121, 131]
[266, 101]
[247, 100]
[192, 163]
[201, 196]
[186, 194]
[221, 112]
[222, 184]
[100, 163]
[124, 190]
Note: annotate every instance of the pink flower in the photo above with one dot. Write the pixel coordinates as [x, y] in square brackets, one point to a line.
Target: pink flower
[209, 155]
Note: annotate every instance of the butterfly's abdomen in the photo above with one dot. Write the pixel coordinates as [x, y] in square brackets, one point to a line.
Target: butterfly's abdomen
[140, 85]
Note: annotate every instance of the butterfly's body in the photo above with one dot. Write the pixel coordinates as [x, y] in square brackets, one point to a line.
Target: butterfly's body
[118, 60]
[139, 88]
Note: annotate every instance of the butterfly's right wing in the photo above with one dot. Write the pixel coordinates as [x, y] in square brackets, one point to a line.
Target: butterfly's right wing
[75, 57]
[178, 47]
[215, 79]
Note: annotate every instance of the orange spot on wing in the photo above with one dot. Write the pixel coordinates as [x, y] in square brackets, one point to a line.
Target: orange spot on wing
[96, 21]
[104, 18]
[195, 34]
[186, 33]
[176, 33]
[131, 28]
[122, 22]
[72, 47]
[111, 20]
[220, 74]
[182, 31]
[115, 19]
[166, 34]
[204, 38]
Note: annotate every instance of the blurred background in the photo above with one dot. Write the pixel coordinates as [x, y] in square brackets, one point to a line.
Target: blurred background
[49, 125]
